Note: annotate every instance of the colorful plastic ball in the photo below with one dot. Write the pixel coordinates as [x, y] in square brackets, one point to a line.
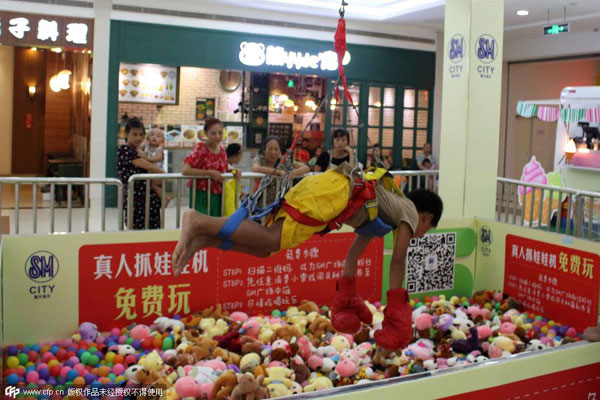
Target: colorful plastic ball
[544, 329]
[89, 378]
[12, 379]
[84, 357]
[563, 330]
[32, 377]
[157, 343]
[120, 379]
[119, 359]
[72, 374]
[136, 344]
[12, 362]
[118, 369]
[571, 332]
[115, 331]
[44, 373]
[55, 370]
[64, 371]
[79, 381]
[130, 359]
[129, 341]
[93, 360]
[167, 343]
[12, 350]
[23, 359]
[110, 356]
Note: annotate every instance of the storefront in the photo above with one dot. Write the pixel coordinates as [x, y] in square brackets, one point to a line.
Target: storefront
[269, 85]
[46, 69]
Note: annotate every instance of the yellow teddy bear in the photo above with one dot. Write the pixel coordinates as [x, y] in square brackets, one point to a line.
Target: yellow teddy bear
[212, 327]
[278, 382]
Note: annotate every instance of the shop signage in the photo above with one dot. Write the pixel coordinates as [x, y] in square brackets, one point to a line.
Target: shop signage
[45, 30]
[256, 54]
[121, 283]
[556, 29]
[486, 49]
[560, 282]
[456, 54]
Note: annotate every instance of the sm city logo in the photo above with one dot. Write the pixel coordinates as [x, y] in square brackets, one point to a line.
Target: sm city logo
[456, 48]
[485, 237]
[487, 48]
[41, 267]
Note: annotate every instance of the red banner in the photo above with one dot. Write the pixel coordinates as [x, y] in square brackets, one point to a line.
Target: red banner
[576, 383]
[122, 283]
[555, 281]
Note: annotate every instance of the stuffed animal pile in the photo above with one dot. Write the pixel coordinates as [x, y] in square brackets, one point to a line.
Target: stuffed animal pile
[218, 355]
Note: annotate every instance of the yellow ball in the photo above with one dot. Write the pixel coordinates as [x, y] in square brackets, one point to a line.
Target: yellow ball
[488, 306]
[110, 356]
[120, 378]
[29, 364]
[412, 303]
[463, 299]
[52, 363]
[544, 329]
[551, 323]
[12, 362]
[76, 337]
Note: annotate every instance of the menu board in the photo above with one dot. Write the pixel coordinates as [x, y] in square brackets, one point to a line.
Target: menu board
[148, 83]
[205, 108]
[124, 282]
[284, 132]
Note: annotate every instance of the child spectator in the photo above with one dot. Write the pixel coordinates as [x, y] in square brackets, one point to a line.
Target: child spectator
[129, 163]
[208, 159]
[154, 152]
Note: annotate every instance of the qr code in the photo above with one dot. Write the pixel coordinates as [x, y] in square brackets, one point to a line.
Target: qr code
[431, 263]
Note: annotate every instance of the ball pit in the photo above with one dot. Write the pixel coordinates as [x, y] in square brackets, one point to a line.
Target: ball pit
[449, 333]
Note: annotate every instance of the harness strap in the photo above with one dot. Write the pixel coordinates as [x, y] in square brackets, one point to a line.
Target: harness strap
[230, 226]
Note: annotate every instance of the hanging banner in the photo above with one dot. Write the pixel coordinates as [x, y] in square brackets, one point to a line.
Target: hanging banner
[123, 283]
[555, 281]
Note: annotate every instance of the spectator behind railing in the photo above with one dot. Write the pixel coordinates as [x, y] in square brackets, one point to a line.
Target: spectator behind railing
[129, 163]
[375, 159]
[341, 152]
[267, 161]
[207, 159]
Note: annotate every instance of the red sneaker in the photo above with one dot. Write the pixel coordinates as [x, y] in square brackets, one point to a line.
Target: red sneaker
[397, 323]
[348, 308]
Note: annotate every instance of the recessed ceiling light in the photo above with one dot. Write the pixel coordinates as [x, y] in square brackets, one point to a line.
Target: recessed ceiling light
[522, 13]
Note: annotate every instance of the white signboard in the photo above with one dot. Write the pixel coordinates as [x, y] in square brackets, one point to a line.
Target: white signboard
[148, 83]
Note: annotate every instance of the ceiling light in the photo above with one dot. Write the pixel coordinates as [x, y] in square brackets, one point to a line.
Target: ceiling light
[56, 49]
[522, 13]
[34, 49]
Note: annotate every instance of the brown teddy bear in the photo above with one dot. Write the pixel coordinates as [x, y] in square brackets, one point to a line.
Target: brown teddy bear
[362, 336]
[318, 328]
[213, 312]
[287, 333]
[308, 306]
[250, 345]
[224, 385]
[229, 357]
[301, 371]
[201, 347]
[145, 377]
[249, 388]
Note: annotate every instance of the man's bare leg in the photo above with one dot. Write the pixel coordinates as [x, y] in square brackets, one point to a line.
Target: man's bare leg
[199, 231]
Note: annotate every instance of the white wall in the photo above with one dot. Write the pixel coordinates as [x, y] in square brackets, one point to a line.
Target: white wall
[7, 61]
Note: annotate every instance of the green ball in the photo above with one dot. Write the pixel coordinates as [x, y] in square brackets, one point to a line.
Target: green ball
[276, 313]
[92, 350]
[112, 376]
[167, 343]
[85, 357]
[466, 304]
[94, 360]
[129, 341]
[23, 358]
[419, 304]
[538, 317]
[325, 308]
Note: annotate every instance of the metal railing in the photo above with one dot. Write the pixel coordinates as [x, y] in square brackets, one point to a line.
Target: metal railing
[56, 187]
[245, 185]
[552, 208]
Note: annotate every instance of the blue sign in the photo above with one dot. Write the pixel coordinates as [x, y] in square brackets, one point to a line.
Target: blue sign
[41, 267]
[486, 48]
[456, 48]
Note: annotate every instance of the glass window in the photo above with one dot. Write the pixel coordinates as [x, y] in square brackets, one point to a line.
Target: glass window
[375, 96]
[422, 118]
[374, 115]
[423, 99]
[373, 136]
[389, 97]
[388, 138]
[409, 98]
[388, 117]
[408, 121]
[407, 138]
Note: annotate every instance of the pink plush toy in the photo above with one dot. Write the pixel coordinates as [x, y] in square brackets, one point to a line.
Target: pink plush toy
[486, 314]
[345, 368]
[498, 297]
[423, 321]
[238, 316]
[507, 328]
[187, 387]
[494, 352]
[444, 322]
[473, 311]
[304, 348]
[548, 341]
[216, 365]
[350, 354]
[421, 350]
[315, 362]
[484, 332]
[251, 327]
[281, 344]
[442, 363]
[206, 390]
[140, 332]
[276, 364]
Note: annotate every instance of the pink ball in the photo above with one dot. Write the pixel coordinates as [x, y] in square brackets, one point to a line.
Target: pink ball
[68, 342]
[122, 339]
[32, 377]
[238, 316]
[100, 339]
[571, 332]
[47, 356]
[41, 382]
[64, 371]
[60, 342]
[42, 365]
[80, 369]
[118, 369]
[140, 332]
[74, 360]
[115, 332]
